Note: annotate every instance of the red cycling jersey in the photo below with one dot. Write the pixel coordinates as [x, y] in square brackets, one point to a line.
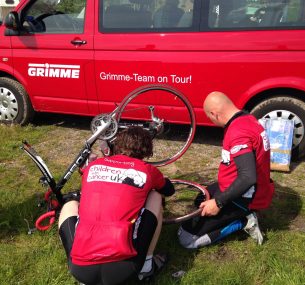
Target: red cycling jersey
[245, 134]
[114, 189]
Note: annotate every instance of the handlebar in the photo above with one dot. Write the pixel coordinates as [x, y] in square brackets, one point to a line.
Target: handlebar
[48, 215]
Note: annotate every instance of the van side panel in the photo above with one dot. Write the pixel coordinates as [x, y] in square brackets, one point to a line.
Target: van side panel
[199, 63]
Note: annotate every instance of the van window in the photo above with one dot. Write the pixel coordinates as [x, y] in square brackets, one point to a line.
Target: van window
[54, 17]
[256, 14]
[148, 15]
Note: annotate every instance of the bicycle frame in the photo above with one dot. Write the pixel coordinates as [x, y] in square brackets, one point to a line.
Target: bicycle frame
[105, 128]
[47, 180]
[78, 162]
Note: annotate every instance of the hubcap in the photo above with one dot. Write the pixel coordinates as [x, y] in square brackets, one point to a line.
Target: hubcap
[298, 133]
[8, 105]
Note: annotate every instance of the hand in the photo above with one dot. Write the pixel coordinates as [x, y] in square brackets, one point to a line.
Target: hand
[209, 208]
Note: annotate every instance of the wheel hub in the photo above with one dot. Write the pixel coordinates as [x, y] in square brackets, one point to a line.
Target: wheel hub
[4, 104]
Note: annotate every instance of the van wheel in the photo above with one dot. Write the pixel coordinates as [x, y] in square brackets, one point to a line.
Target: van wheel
[286, 108]
[15, 105]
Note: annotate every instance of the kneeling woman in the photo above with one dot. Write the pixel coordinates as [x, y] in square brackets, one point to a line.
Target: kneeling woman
[111, 234]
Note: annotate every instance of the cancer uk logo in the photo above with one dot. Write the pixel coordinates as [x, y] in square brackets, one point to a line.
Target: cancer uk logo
[102, 173]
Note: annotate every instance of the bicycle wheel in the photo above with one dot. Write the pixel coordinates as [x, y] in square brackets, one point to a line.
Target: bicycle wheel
[166, 113]
[180, 206]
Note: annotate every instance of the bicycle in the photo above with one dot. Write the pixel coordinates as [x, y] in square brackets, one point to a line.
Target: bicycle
[135, 109]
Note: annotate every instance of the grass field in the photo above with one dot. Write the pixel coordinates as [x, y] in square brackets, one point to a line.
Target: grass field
[38, 258]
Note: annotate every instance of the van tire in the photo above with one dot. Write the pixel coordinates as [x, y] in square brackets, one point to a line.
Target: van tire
[294, 110]
[15, 105]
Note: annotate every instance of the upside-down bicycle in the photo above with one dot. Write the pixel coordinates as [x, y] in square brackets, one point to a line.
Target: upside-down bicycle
[142, 107]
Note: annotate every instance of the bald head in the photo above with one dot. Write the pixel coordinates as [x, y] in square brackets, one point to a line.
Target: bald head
[219, 108]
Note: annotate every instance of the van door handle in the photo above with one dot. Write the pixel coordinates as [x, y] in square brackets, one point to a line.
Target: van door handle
[78, 42]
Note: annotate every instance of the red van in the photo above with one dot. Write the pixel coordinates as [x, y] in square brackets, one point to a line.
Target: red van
[78, 56]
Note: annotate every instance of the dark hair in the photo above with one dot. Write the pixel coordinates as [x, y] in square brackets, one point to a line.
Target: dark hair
[134, 142]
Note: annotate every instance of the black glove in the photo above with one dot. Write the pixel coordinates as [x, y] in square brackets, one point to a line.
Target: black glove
[199, 199]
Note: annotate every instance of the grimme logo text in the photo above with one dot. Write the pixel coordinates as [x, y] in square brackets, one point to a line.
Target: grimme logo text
[53, 70]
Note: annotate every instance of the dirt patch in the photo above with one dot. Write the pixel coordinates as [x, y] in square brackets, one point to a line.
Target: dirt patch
[298, 224]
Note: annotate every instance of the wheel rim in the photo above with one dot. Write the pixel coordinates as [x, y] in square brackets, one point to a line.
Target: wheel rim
[298, 133]
[180, 148]
[190, 210]
[8, 105]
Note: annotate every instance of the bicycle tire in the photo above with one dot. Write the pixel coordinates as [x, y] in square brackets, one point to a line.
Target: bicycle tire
[192, 211]
[173, 96]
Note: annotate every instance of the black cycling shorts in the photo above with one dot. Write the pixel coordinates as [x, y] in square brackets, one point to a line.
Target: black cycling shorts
[112, 272]
[236, 210]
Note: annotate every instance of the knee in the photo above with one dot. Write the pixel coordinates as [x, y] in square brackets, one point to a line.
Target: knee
[70, 207]
[68, 210]
[154, 196]
[154, 203]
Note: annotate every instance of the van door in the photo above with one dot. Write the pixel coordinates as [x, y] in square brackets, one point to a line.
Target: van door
[144, 42]
[53, 55]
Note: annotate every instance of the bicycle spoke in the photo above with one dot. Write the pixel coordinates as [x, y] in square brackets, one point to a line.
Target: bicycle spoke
[167, 114]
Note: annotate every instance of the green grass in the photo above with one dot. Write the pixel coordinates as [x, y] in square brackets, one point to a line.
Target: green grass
[39, 258]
